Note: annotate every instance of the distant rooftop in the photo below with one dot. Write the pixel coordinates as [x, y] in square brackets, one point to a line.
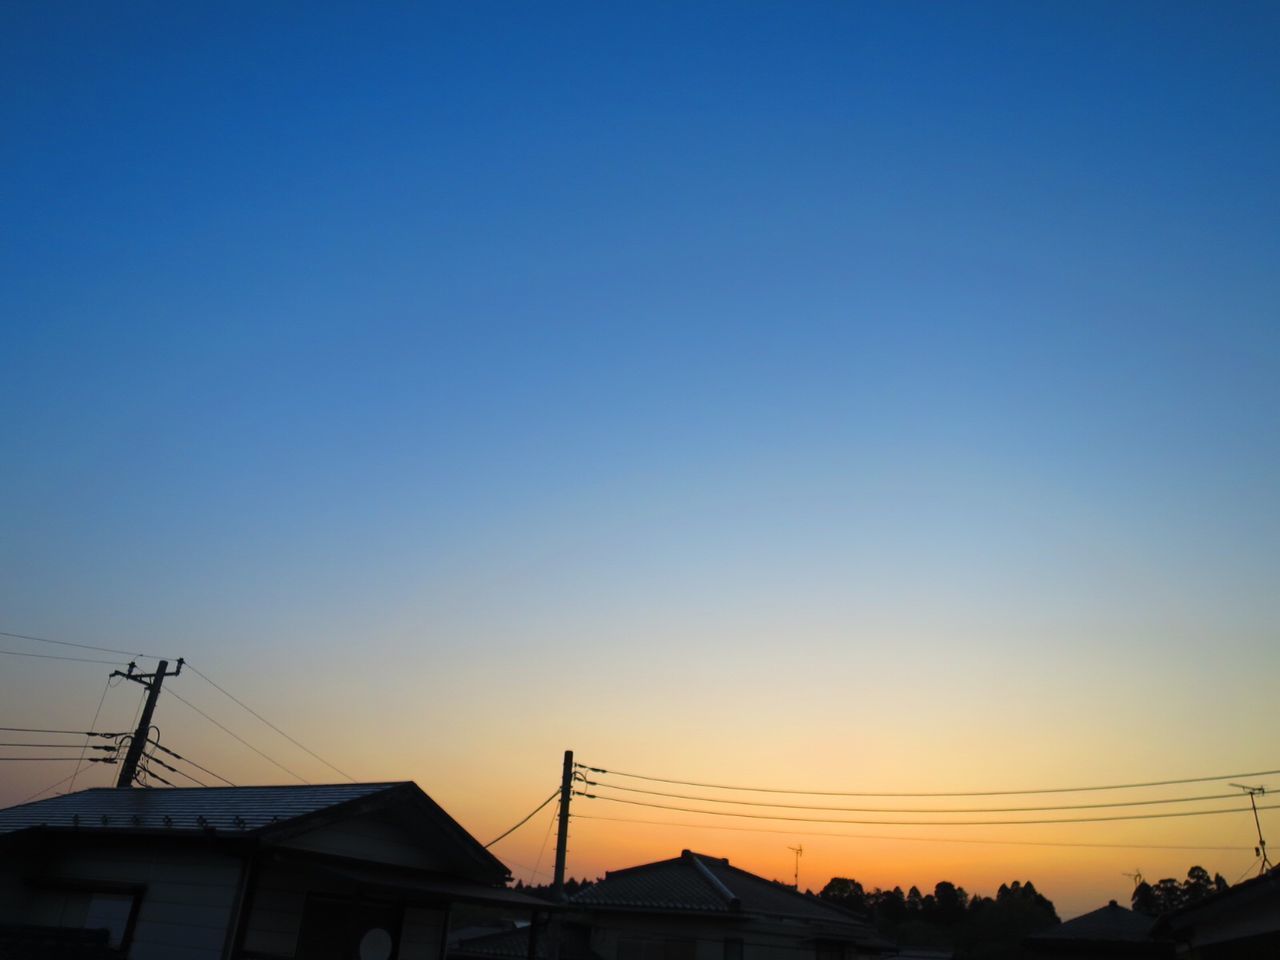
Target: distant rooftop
[1111, 923]
[699, 883]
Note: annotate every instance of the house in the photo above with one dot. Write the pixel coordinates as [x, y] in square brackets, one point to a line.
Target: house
[1112, 931]
[692, 907]
[240, 873]
[1239, 923]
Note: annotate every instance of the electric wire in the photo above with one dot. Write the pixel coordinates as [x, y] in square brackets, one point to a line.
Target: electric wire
[151, 774]
[255, 713]
[179, 756]
[555, 815]
[72, 746]
[929, 823]
[103, 760]
[234, 735]
[881, 836]
[525, 820]
[52, 786]
[152, 758]
[805, 806]
[50, 656]
[976, 793]
[92, 725]
[82, 646]
[73, 733]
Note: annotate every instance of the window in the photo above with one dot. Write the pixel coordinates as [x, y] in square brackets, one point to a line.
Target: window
[111, 912]
[87, 905]
[637, 948]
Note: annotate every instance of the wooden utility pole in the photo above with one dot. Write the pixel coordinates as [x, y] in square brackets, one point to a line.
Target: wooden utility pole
[562, 833]
[151, 682]
[562, 844]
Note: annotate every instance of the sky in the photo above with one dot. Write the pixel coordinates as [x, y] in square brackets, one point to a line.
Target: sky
[831, 396]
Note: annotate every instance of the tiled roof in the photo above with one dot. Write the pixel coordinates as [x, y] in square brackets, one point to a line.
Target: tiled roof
[1110, 923]
[187, 810]
[699, 883]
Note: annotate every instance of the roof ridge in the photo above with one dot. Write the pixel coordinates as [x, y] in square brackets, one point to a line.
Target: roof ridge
[733, 901]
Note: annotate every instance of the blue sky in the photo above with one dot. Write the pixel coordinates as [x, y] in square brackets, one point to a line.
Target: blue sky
[738, 342]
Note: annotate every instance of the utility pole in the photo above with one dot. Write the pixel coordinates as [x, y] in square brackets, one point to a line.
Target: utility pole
[562, 833]
[151, 682]
[1261, 849]
[562, 843]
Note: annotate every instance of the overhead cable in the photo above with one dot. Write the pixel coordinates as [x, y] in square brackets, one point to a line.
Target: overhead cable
[99, 760]
[954, 793]
[523, 821]
[927, 823]
[72, 733]
[179, 756]
[880, 836]
[179, 697]
[82, 646]
[241, 703]
[805, 806]
[52, 656]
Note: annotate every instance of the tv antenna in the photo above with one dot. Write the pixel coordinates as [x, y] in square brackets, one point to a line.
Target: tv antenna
[799, 852]
[1136, 877]
[1261, 849]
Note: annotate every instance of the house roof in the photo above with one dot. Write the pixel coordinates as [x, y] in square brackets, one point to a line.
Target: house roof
[1112, 923]
[185, 809]
[699, 883]
[266, 813]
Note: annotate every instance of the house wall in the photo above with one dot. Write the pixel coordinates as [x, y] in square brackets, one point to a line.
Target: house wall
[369, 838]
[673, 937]
[694, 938]
[278, 900]
[184, 912]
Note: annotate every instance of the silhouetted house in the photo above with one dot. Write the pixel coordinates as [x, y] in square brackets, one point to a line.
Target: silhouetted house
[692, 907]
[1240, 922]
[240, 873]
[1112, 931]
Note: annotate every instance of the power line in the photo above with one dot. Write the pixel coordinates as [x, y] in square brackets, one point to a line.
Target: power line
[927, 823]
[241, 703]
[803, 806]
[979, 793]
[875, 836]
[51, 656]
[82, 646]
[149, 774]
[179, 756]
[92, 724]
[51, 786]
[88, 759]
[235, 735]
[152, 758]
[524, 821]
[73, 733]
[68, 746]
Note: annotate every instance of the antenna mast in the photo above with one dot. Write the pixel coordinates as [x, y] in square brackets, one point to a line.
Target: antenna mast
[798, 851]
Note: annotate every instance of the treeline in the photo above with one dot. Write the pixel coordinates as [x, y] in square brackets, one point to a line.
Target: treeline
[976, 927]
[1165, 896]
[543, 890]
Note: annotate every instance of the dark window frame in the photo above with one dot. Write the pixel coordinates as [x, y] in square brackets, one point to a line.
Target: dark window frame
[113, 888]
